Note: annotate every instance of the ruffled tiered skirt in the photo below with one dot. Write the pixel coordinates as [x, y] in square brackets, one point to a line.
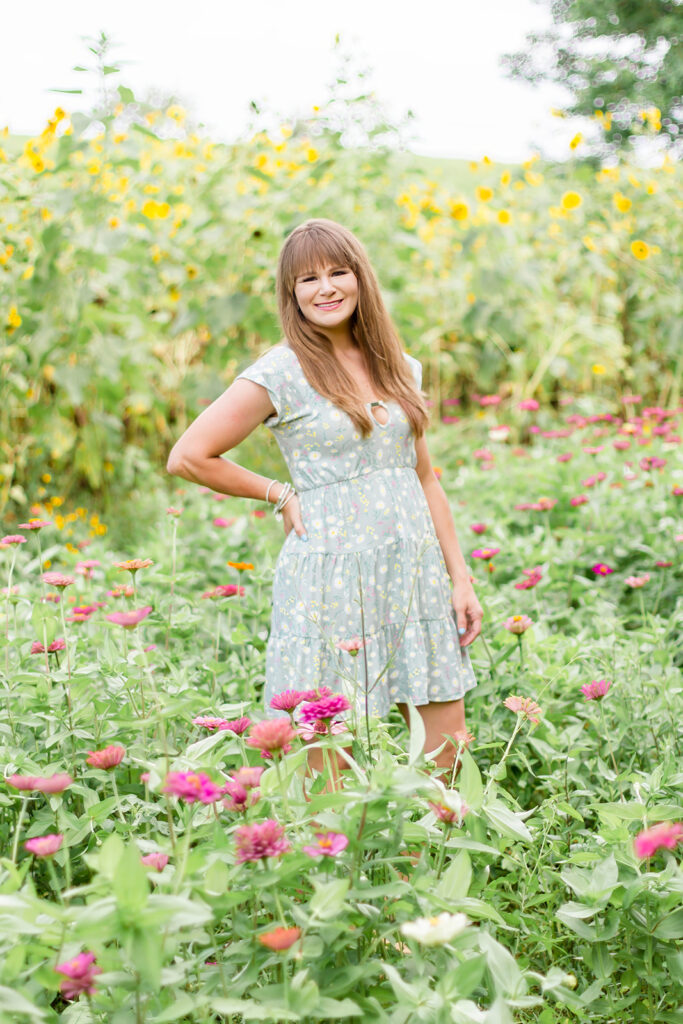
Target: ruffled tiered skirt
[372, 567]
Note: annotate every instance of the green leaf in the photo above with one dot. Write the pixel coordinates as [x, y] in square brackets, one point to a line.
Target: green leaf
[418, 735]
[336, 1009]
[505, 973]
[456, 880]
[470, 784]
[251, 1010]
[131, 886]
[670, 927]
[328, 898]
[506, 822]
[12, 1000]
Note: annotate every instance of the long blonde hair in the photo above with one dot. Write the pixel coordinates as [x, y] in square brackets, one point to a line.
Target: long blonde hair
[309, 247]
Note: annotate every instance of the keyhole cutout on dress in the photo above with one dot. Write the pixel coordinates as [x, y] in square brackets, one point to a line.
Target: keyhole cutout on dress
[380, 413]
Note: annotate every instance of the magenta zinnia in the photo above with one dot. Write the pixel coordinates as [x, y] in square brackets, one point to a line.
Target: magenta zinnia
[664, 836]
[320, 710]
[54, 784]
[329, 844]
[130, 619]
[158, 861]
[192, 786]
[79, 975]
[44, 846]
[600, 569]
[596, 689]
[256, 842]
[237, 725]
[287, 700]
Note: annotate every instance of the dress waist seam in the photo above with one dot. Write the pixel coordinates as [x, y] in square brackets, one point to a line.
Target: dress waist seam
[345, 479]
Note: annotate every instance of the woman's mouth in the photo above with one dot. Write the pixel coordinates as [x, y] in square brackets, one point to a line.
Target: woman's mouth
[329, 305]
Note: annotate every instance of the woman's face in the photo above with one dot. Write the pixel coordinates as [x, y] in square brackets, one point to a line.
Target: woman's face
[327, 297]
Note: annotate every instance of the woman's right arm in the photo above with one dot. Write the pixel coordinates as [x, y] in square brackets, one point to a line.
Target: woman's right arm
[196, 456]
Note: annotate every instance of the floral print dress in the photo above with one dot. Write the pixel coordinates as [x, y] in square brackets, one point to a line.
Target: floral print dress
[372, 564]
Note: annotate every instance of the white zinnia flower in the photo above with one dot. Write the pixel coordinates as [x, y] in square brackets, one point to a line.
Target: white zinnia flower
[434, 931]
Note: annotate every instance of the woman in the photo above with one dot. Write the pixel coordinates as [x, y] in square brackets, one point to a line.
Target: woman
[370, 542]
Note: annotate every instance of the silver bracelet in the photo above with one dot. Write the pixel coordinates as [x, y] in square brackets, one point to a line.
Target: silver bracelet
[286, 488]
[268, 488]
[286, 493]
[290, 495]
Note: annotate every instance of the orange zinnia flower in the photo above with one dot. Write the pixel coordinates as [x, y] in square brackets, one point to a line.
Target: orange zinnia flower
[241, 565]
[133, 564]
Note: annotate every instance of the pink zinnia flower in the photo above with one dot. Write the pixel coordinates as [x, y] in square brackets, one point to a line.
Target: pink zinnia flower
[596, 689]
[107, 758]
[621, 444]
[130, 619]
[447, 814]
[309, 730]
[192, 786]
[666, 835]
[86, 567]
[54, 784]
[352, 646]
[273, 734]
[210, 723]
[237, 725]
[34, 524]
[56, 645]
[564, 457]
[489, 400]
[219, 521]
[158, 861]
[663, 565]
[57, 579]
[318, 694]
[256, 842]
[329, 844]
[478, 527]
[637, 581]
[578, 499]
[80, 975]
[170, 511]
[12, 538]
[44, 846]
[524, 706]
[327, 707]
[518, 624]
[225, 590]
[247, 776]
[239, 797]
[485, 552]
[600, 569]
[528, 404]
[287, 700]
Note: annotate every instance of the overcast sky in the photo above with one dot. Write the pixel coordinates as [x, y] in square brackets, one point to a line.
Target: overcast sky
[438, 58]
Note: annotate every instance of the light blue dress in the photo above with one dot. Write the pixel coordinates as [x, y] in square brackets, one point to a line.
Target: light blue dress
[370, 537]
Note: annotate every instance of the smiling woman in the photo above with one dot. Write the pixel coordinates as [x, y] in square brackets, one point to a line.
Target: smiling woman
[370, 546]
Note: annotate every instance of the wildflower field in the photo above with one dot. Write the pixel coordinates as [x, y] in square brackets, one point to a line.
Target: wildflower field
[163, 854]
[161, 861]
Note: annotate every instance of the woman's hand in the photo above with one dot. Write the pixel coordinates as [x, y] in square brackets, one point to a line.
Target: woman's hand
[291, 518]
[468, 612]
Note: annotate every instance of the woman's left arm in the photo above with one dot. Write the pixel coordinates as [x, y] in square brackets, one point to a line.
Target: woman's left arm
[468, 611]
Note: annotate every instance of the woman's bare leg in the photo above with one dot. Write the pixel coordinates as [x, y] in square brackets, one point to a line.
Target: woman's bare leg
[442, 720]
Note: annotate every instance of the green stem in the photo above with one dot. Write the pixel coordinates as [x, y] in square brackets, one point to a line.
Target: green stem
[116, 796]
[20, 821]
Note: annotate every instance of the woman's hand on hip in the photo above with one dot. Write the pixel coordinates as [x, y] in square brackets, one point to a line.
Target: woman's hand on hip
[468, 612]
[291, 518]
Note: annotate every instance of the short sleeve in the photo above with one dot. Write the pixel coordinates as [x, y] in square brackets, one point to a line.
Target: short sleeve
[416, 367]
[267, 372]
